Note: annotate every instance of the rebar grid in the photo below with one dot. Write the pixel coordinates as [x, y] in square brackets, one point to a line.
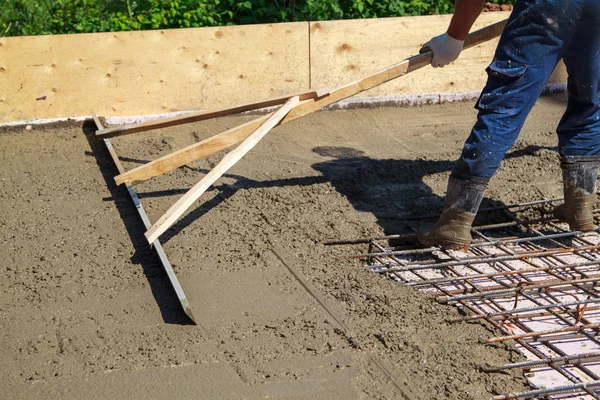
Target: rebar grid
[532, 279]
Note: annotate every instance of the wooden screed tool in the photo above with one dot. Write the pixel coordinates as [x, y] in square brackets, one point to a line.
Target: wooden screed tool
[250, 133]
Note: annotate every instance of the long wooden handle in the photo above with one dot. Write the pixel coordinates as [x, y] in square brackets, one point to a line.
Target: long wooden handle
[392, 72]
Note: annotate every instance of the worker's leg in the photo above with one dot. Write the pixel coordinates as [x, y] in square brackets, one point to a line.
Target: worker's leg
[579, 129]
[453, 228]
[580, 174]
[529, 49]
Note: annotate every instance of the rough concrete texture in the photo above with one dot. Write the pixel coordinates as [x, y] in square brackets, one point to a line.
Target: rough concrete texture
[87, 312]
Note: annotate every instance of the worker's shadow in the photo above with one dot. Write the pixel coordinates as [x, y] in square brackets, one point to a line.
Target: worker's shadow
[394, 190]
[144, 255]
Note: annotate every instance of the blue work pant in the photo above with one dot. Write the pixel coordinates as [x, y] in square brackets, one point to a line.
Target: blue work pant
[538, 34]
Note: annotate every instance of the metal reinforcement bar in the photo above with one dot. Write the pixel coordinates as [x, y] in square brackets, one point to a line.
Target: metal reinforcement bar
[556, 265]
[572, 359]
[333, 242]
[515, 317]
[504, 314]
[526, 345]
[560, 318]
[579, 387]
[491, 243]
[451, 279]
[491, 293]
[521, 288]
[553, 338]
[490, 260]
[156, 244]
[542, 333]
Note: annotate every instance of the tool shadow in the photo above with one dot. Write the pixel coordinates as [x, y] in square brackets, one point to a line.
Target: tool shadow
[144, 255]
[394, 190]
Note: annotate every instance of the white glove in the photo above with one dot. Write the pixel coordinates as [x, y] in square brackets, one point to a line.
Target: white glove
[445, 49]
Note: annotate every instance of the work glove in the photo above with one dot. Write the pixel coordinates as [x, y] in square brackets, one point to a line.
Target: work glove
[445, 49]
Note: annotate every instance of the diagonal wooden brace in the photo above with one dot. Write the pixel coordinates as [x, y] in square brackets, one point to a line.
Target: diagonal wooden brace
[185, 202]
[188, 154]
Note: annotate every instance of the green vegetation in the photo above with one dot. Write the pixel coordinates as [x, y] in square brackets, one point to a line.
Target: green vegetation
[41, 17]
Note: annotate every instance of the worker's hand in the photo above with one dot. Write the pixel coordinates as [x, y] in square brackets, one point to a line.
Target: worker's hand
[445, 49]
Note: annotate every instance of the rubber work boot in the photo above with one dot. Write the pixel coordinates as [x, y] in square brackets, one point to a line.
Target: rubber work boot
[453, 229]
[580, 174]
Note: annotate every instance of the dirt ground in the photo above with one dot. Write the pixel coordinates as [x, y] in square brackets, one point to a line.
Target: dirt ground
[86, 310]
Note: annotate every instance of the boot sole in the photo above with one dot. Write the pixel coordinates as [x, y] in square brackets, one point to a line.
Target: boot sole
[582, 228]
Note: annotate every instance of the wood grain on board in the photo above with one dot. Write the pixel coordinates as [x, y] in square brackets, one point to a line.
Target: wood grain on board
[343, 51]
[154, 72]
[150, 72]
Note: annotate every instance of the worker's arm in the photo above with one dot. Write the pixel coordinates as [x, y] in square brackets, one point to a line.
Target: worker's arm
[465, 14]
[447, 47]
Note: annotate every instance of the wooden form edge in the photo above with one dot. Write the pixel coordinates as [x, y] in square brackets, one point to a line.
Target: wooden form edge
[185, 202]
[323, 98]
[199, 116]
[157, 245]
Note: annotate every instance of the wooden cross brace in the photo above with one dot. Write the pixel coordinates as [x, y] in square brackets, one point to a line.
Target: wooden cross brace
[250, 133]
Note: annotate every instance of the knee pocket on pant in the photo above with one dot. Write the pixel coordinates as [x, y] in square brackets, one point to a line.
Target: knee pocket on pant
[501, 93]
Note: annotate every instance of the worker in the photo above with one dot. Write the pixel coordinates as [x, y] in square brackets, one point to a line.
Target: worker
[538, 34]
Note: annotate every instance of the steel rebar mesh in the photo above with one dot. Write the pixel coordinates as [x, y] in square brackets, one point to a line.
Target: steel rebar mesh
[531, 278]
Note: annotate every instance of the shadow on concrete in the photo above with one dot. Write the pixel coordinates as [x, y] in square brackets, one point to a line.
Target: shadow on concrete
[144, 255]
[223, 192]
[393, 190]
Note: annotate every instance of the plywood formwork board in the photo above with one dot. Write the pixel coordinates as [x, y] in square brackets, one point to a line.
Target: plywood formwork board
[342, 51]
[153, 72]
[150, 72]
